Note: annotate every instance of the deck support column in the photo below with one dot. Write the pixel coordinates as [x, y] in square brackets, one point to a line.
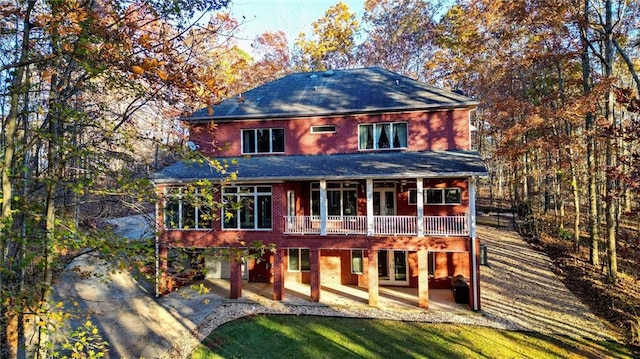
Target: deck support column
[235, 279]
[373, 277]
[164, 282]
[314, 272]
[423, 278]
[278, 274]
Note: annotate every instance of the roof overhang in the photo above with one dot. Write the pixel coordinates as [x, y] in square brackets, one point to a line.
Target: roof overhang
[366, 165]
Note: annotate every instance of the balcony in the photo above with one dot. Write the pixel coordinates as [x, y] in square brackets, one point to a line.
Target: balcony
[382, 225]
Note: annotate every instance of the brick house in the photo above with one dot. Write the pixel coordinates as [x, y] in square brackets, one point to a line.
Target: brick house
[359, 177]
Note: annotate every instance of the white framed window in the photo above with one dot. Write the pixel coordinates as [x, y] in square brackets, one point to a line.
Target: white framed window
[186, 208]
[247, 207]
[263, 140]
[342, 199]
[357, 261]
[447, 196]
[323, 129]
[378, 136]
[298, 260]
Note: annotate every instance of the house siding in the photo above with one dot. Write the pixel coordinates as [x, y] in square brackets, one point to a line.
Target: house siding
[439, 130]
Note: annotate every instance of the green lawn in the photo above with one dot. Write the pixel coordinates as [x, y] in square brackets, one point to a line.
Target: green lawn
[284, 336]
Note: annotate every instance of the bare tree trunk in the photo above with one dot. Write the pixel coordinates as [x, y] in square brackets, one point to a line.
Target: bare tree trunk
[611, 186]
[593, 214]
[9, 133]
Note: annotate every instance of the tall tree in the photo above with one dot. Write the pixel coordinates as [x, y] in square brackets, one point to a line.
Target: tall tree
[332, 44]
[399, 35]
[79, 72]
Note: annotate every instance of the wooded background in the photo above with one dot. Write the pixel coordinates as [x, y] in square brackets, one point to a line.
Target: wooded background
[90, 92]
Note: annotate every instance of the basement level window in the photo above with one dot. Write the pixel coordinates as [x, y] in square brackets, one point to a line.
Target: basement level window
[323, 129]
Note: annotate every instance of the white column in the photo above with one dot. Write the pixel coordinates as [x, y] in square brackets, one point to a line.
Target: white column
[472, 207]
[420, 206]
[370, 229]
[475, 276]
[323, 207]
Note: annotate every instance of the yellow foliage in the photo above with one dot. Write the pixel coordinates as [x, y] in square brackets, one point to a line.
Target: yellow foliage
[137, 69]
[163, 75]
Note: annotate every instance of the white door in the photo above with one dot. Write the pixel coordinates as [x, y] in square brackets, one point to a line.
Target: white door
[392, 267]
[384, 202]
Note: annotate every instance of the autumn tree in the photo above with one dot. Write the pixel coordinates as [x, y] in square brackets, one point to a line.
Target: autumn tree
[80, 78]
[332, 43]
[399, 35]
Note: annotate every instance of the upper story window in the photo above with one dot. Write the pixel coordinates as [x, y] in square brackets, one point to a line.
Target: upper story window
[186, 208]
[437, 196]
[378, 136]
[263, 140]
[247, 207]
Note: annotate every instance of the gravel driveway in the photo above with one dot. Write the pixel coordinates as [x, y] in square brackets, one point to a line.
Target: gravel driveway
[518, 292]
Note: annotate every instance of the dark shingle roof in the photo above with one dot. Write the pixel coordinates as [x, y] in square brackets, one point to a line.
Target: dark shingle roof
[388, 165]
[334, 92]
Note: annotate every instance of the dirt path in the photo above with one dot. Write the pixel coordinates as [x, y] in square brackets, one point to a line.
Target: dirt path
[518, 287]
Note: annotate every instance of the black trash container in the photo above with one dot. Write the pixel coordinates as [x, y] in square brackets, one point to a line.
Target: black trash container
[460, 290]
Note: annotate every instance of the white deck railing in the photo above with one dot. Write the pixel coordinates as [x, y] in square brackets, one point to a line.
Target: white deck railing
[382, 225]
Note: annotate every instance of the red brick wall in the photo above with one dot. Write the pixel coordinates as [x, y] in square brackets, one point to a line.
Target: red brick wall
[438, 130]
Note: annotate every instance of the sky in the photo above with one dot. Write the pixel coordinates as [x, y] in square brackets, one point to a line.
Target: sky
[290, 16]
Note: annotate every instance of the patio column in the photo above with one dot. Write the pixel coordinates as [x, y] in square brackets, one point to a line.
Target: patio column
[423, 278]
[164, 282]
[370, 226]
[235, 279]
[373, 277]
[278, 274]
[314, 273]
[420, 206]
[323, 207]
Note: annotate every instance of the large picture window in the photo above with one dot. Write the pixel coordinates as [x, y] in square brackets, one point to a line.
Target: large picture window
[186, 208]
[247, 207]
[342, 199]
[299, 260]
[437, 196]
[263, 140]
[378, 136]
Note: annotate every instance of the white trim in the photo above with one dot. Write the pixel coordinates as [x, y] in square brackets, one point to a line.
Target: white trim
[370, 226]
[323, 207]
[420, 205]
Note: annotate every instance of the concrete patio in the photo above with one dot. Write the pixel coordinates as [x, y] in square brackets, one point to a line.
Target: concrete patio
[392, 298]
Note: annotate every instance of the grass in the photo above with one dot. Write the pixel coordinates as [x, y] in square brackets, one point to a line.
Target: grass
[284, 336]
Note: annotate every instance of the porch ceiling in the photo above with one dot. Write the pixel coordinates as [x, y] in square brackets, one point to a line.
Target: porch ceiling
[374, 165]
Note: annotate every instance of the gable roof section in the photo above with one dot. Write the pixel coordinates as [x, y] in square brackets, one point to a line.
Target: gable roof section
[377, 165]
[334, 92]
